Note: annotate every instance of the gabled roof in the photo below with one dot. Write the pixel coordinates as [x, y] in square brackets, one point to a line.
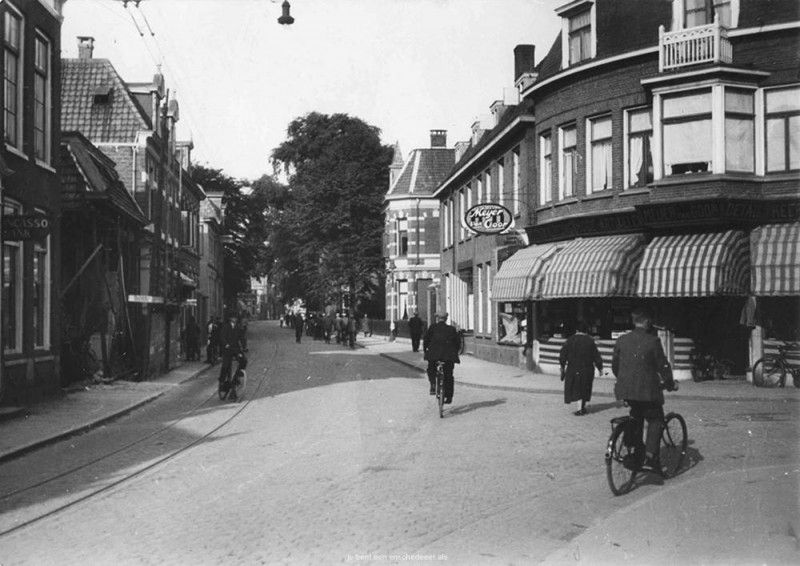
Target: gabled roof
[422, 173]
[87, 175]
[514, 113]
[119, 118]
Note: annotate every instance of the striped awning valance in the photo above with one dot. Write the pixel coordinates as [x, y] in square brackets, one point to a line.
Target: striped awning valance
[595, 267]
[519, 278]
[696, 265]
[775, 260]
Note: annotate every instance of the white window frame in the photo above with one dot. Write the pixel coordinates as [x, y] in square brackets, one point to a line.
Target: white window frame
[545, 168]
[501, 169]
[562, 153]
[488, 298]
[14, 208]
[591, 141]
[45, 247]
[567, 13]
[628, 135]
[19, 53]
[480, 300]
[44, 74]
[515, 174]
[761, 106]
[487, 175]
[679, 14]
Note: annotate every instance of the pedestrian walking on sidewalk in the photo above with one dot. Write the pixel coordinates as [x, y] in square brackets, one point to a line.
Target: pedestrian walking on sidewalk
[579, 357]
[415, 325]
[442, 343]
[641, 366]
[298, 327]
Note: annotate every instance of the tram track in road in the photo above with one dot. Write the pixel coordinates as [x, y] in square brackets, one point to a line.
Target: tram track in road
[30, 502]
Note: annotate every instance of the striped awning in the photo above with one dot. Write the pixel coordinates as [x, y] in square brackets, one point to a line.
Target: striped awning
[519, 278]
[595, 267]
[775, 260]
[696, 265]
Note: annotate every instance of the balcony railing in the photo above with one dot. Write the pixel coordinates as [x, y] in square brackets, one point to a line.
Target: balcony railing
[693, 46]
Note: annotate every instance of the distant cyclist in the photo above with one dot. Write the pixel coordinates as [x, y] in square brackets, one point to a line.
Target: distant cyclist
[641, 366]
[231, 344]
[442, 343]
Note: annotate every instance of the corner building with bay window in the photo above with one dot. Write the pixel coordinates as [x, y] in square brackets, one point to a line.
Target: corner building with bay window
[667, 175]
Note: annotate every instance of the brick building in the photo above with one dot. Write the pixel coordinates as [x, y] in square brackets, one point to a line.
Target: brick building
[666, 175]
[134, 125]
[30, 190]
[412, 229]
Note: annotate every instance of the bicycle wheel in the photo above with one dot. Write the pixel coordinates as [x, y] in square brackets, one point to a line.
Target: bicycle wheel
[440, 392]
[769, 372]
[673, 445]
[240, 381]
[620, 462]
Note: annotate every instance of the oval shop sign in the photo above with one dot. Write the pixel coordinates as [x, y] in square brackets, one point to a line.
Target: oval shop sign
[488, 219]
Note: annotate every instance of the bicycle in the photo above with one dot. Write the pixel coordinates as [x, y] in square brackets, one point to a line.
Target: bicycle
[771, 370]
[234, 384]
[705, 366]
[440, 387]
[625, 450]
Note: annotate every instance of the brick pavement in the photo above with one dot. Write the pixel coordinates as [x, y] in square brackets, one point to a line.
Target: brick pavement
[742, 474]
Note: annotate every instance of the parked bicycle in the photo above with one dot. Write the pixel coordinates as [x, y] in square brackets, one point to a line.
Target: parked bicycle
[625, 450]
[233, 385]
[439, 384]
[771, 370]
[705, 365]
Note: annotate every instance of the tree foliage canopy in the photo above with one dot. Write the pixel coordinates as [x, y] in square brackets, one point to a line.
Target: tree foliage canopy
[328, 236]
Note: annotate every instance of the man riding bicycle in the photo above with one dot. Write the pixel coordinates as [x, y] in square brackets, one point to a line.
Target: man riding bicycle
[442, 344]
[232, 343]
[640, 366]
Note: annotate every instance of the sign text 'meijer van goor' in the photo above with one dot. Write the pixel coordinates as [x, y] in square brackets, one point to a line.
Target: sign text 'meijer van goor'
[488, 219]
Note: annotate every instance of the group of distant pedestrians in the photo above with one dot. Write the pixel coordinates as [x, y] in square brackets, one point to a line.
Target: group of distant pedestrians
[342, 326]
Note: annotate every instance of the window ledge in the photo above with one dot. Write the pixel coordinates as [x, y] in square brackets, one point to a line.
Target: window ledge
[16, 151]
[571, 200]
[601, 194]
[634, 191]
[46, 166]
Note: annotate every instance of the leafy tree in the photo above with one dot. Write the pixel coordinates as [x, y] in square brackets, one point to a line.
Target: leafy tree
[338, 178]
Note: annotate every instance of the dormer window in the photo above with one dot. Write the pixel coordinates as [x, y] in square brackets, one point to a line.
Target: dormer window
[102, 94]
[701, 12]
[696, 13]
[577, 32]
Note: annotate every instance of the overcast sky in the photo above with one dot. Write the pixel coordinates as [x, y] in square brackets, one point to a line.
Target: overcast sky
[404, 66]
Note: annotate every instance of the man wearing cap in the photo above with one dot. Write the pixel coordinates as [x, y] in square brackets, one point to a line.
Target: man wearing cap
[442, 343]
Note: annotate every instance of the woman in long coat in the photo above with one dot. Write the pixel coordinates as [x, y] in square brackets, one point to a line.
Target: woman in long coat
[578, 358]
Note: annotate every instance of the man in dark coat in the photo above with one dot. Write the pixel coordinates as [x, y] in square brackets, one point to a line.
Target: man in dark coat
[578, 358]
[442, 343]
[415, 328]
[640, 366]
[230, 344]
[298, 327]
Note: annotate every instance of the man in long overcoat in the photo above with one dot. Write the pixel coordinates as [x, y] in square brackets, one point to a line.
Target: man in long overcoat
[442, 343]
[415, 329]
[578, 358]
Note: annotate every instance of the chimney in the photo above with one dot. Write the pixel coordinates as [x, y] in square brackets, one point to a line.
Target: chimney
[85, 47]
[438, 138]
[524, 60]
[461, 149]
[498, 108]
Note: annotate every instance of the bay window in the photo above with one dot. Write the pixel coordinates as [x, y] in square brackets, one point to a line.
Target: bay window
[740, 131]
[782, 129]
[687, 130]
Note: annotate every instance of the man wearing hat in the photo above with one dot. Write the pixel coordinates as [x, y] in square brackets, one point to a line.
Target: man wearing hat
[442, 343]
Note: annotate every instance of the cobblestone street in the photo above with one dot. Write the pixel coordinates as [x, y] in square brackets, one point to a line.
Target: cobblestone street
[362, 470]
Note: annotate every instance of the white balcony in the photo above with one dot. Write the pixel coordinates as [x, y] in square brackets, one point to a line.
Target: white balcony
[693, 46]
